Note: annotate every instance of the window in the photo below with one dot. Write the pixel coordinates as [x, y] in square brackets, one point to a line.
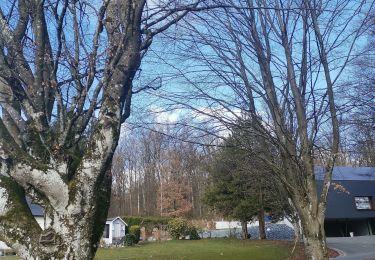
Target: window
[106, 231]
[362, 202]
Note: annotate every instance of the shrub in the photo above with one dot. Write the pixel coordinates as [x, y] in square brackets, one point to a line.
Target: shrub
[148, 222]
[193, 233]
[129, 240]
[179, 227]
[136, 231]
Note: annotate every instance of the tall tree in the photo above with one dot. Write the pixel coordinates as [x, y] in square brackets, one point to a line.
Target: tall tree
[242, 187]
[280, 61]
[67, 69]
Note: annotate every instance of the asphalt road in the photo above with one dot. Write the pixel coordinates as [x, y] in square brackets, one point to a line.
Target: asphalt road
[354, 248]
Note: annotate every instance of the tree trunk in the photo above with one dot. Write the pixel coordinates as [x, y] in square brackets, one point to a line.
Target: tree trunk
[314, 241]
[312, 223]
[297, 230]
[245, 234]
[262, 228]
[71, 230]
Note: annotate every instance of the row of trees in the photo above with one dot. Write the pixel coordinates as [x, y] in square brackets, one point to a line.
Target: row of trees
[155, 174]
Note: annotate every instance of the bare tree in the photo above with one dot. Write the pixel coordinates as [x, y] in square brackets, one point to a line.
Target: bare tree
[359, 122]
[67, 69]
[157, 175]
[279, 61]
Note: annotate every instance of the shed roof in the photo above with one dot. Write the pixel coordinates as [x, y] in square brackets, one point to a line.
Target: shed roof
[114, 218]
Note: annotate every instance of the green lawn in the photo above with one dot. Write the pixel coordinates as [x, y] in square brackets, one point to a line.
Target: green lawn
[9, 258]
[204, 249]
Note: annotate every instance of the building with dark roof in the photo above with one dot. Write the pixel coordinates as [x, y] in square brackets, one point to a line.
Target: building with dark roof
[350, 202]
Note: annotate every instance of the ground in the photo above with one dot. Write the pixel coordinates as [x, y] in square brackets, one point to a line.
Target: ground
[354, 248]
[201, 249]
[204, 249]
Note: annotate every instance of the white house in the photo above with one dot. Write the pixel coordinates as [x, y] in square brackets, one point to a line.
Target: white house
[114, 230]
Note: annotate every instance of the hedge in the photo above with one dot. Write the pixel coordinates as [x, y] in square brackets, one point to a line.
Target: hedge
[148, 222]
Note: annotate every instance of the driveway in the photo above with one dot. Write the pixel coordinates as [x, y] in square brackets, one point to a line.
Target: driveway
[354, 248]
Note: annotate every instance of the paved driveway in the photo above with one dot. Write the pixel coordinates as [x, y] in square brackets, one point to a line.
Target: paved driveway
[354, 248]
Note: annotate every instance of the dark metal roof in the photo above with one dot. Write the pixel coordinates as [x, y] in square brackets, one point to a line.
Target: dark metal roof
[348, 173]
[340, 201]
[36, 210]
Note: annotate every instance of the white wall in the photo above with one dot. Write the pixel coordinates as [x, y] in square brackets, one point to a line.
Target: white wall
[237, 224]
[118, 228]
[227, 224]
[108, 240]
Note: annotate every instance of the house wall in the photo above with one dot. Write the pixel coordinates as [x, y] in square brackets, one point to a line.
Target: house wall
[118, 228]
[108, 241]
[340, 201]
[227, 224]
[237, 224]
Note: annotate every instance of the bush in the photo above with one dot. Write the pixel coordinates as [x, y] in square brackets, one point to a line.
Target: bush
[148, 222]
[179, 227]
[129, 240]
[193, 233]
[136, 231]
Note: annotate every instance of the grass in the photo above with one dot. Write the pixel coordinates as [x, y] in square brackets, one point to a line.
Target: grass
[9, 258]
[204, 249]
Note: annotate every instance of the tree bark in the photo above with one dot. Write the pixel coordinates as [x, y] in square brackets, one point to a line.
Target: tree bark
[72, 187]
[245, 234]
[312, 217]
[262, 228]
[314, 237]
[71, 233]
[297, 230]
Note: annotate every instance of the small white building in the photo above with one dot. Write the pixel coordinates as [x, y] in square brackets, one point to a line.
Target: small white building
[114, 230]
